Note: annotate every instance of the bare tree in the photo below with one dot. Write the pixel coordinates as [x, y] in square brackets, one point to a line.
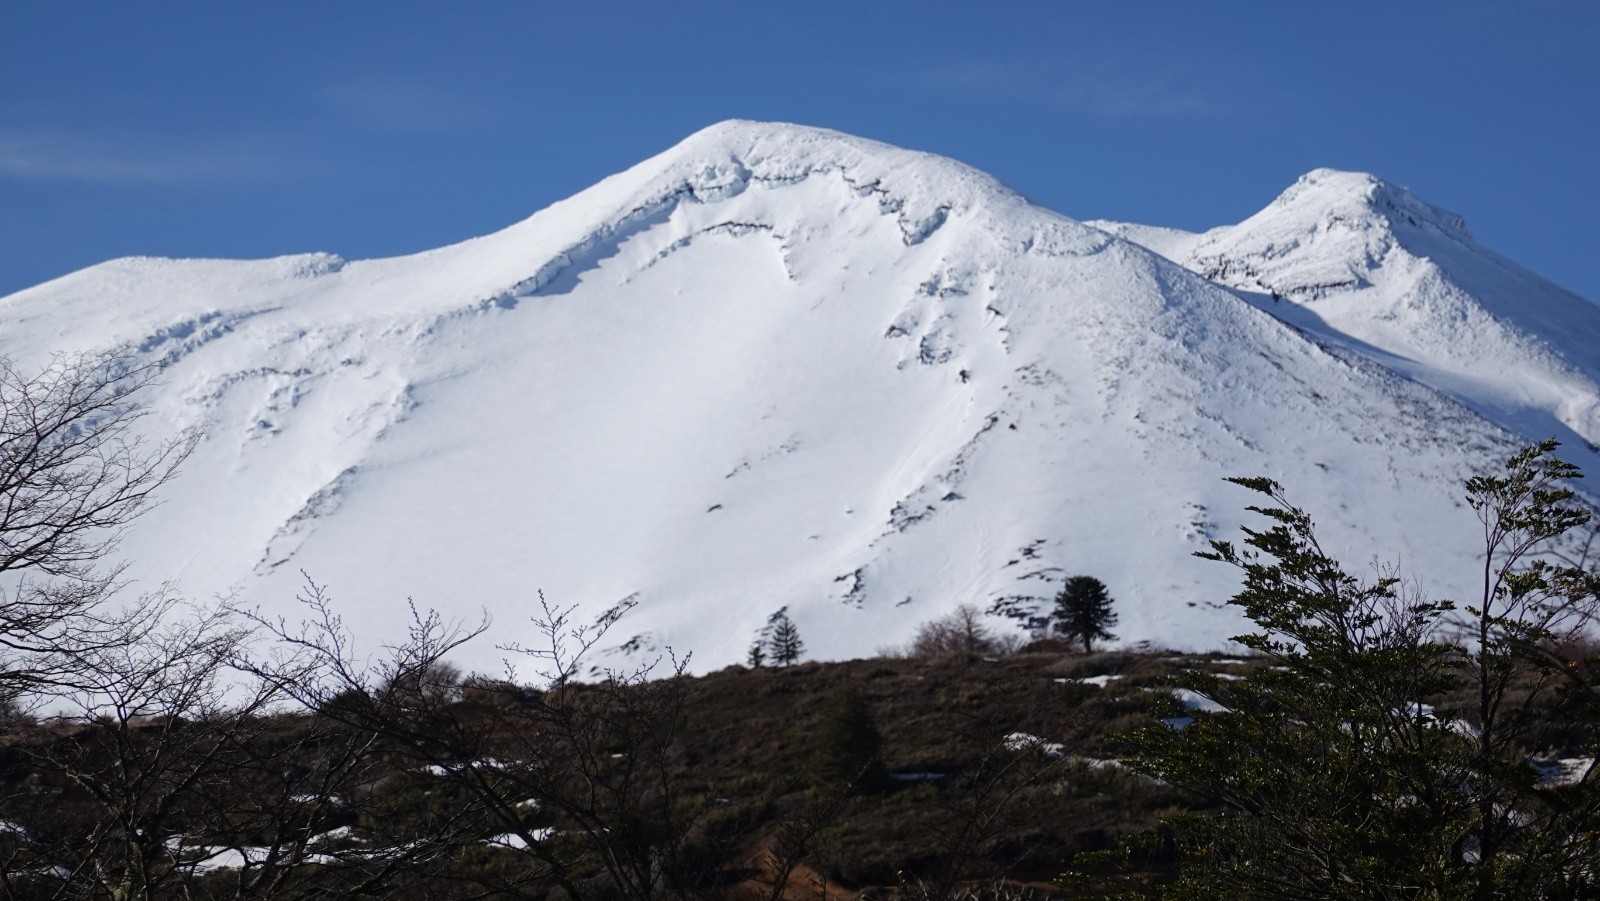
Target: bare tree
[172, 759]
[75, 469]
[186, 769]
[598, 765]
[959, 633]
[573, 784]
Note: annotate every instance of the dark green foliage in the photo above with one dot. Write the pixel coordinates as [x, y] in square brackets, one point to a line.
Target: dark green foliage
[785, 643]
[848, 749]
[1376, 757]
[1083, 611]
[1327, 764]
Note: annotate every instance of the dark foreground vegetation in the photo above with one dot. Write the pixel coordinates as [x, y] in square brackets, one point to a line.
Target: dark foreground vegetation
[995, 772]
[1374, 743]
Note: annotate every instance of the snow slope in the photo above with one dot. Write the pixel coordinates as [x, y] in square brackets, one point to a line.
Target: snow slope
[771, 367]
[1366, 264]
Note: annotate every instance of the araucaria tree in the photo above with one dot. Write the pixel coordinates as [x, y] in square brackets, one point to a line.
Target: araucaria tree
[785, 642]
[1083, 611]
[1393, 747]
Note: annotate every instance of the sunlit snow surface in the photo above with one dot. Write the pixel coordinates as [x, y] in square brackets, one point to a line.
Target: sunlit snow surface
[1368, 266]
[774, 366]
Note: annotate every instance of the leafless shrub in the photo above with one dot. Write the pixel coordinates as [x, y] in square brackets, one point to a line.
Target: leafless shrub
[180, 764]
[961, 632]
[74, 471]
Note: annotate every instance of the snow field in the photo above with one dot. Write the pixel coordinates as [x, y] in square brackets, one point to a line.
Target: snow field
[779, 367]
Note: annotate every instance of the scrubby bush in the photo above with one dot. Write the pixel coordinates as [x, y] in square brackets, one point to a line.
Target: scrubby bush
[961, 632]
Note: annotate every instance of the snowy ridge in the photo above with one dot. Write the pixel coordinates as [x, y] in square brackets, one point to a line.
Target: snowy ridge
[1367, 265]
[774, 366]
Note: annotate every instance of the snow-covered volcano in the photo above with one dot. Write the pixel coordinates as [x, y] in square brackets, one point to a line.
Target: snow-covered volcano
[779, 366]
[1366, 264]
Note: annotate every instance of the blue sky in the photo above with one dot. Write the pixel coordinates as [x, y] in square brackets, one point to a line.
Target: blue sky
[370, 129]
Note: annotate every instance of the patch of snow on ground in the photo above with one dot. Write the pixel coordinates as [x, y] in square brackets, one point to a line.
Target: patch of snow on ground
[1096, 681]
[1022, 741]
[1562, 771]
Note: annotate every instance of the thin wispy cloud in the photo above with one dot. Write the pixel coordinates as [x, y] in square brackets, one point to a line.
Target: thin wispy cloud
[1106, 91]
[404, 106]
[54, 156]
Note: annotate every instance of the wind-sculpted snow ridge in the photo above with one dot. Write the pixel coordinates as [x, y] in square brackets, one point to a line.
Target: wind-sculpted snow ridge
[1365, 264]
[772, 367]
